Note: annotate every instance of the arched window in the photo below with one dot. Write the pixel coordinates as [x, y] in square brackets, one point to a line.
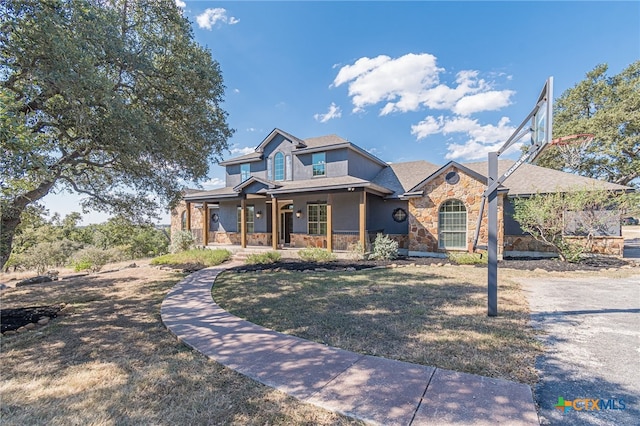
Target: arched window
[452, 225]
[183, 221]
[278, 166]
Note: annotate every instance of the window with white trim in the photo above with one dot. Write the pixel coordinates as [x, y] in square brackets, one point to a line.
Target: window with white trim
[245, 171]
[249, 214]
[317, 219]
[318, 160]
[452, 225]
[278, 166]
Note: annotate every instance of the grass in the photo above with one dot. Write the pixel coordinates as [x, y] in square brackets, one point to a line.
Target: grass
[429, 316]
[113, 362]
[205, 257]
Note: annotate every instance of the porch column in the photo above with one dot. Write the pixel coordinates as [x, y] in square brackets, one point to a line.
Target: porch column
[243, 223]
[329, 223]
[188, 216]
[274, 223]
[205, 224]
[363, 219]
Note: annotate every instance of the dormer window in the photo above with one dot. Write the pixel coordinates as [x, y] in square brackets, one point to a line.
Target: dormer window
[245, 172]
[318, 161]
[278, 166]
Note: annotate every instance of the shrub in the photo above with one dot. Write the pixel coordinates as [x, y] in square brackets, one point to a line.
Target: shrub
[94, 258]
[313, 254]
[48, 254]
[384, 248]
[205, 257]
[356, 251]
[181, 241]
[263, 258]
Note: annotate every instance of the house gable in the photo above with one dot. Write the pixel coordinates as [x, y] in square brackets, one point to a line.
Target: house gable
[464, 185]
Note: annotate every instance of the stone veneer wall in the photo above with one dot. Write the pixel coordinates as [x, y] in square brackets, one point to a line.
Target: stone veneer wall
[612, 246]
[196, 220]
[253, 239]
[304, 241]
[423, 211]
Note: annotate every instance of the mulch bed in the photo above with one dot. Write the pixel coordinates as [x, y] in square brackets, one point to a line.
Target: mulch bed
[594, 263]
[12, 319]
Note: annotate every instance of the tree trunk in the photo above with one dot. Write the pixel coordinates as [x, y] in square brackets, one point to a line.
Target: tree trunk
[8, 226]
[10, 218]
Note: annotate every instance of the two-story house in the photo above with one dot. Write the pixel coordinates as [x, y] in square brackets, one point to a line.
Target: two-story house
[327, 192]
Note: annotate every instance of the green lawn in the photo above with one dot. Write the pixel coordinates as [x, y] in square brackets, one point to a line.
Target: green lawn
[426, 315]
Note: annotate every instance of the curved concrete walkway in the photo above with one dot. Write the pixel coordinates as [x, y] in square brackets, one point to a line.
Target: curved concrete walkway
[376, 390]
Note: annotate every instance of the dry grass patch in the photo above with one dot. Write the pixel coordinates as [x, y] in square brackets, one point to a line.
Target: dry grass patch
[112, 362]
[429, 316]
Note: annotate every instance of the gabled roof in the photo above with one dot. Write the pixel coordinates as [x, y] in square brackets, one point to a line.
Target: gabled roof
[247, 158]
[328, 183]
[439, 170]
[269, 184]
[401, 177]
[196, 195]
[331, 142]
[530, 179]
[299, 143]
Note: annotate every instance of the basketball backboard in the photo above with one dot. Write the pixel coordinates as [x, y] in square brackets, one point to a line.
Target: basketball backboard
[542, 120]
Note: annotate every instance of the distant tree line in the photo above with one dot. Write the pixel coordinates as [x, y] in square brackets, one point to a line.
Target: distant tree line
[43, 243]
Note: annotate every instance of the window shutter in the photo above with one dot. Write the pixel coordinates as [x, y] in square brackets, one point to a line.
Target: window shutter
[269, 172]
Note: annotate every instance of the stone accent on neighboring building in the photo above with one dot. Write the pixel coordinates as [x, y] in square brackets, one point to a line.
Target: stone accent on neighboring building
[423, 211]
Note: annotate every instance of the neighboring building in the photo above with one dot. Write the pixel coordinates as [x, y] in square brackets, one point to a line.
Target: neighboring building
[327, 192]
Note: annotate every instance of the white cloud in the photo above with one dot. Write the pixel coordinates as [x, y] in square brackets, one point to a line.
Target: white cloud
[333, 112]
[487, 101]
[181, 4]
[211, 17]
[412, 82]
[242, 151]
[481, 139]
[213, 183]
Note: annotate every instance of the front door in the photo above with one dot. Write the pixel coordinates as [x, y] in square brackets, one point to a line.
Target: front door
[286, 227]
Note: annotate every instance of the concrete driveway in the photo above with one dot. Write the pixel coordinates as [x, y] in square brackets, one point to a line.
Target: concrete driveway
[591, 331]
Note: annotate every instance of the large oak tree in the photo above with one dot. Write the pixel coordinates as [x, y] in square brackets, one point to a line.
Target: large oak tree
[609, 108]
[112, 99]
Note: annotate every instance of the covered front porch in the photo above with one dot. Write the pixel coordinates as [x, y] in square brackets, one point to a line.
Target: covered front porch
[282, 222]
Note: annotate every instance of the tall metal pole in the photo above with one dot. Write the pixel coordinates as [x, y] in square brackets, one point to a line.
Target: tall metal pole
[492, 242]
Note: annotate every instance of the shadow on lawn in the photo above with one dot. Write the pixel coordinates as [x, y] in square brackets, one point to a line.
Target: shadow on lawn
[112, 361]
[418, 316]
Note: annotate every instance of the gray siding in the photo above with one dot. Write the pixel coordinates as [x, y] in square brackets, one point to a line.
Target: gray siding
[336, 164]
[380, 215]
[511, 226]
[362, 167]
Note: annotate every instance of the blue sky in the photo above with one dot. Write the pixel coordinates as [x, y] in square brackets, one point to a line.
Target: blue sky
[435, 81]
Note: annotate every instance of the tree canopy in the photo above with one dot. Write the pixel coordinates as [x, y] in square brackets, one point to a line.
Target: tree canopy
[609, 108]
[112, 99]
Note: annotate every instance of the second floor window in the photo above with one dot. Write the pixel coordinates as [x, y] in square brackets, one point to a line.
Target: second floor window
[245, 172]
[318, 161]
[278, 166]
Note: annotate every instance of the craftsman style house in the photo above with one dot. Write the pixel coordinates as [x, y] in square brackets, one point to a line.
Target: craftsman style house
[327, 192]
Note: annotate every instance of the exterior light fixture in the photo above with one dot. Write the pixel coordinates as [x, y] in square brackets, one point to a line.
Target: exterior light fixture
[259, 214]
[299, 213]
